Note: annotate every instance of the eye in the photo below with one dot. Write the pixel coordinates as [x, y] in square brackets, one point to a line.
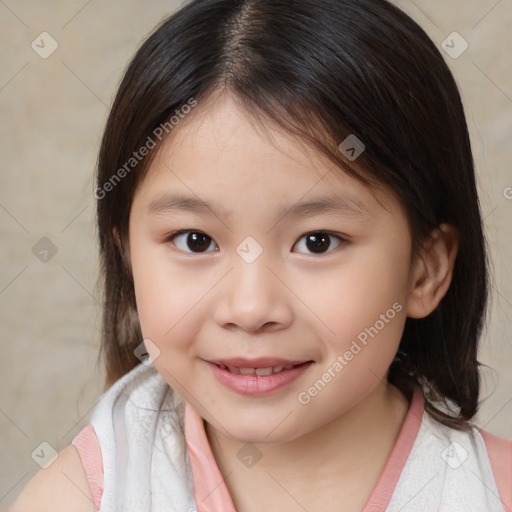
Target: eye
[195, 241]
[318, 242]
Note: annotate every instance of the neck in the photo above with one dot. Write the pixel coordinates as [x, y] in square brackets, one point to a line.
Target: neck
[352, 449]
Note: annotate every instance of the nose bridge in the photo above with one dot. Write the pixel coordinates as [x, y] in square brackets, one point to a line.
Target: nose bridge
[251, 272]
[252, 296]
[251, 283]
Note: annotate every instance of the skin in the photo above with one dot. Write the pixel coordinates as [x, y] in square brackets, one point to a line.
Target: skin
[290, 303]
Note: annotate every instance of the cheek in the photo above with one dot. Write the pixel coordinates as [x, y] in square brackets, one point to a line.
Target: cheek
[167, 298]
[365, 302]
[351, 299]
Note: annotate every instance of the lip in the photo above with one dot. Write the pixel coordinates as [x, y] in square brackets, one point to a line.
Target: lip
[260, 362]
[255, 384]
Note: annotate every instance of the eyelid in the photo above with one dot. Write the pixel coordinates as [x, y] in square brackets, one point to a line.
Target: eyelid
[343, 239]
[170, 237]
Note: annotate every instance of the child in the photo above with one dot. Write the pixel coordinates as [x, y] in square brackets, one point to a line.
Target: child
[288, 218]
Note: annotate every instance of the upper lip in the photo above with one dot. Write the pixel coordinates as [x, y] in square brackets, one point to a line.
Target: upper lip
[261, 362]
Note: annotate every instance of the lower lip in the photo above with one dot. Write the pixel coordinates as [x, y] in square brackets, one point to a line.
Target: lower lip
[256, 384]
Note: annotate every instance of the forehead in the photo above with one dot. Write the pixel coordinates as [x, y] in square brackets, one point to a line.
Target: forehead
[220, 150]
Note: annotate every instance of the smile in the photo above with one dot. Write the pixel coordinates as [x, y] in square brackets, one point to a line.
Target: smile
[261, 380]
[262, 372]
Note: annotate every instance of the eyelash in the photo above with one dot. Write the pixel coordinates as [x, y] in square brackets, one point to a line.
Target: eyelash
[342, 240]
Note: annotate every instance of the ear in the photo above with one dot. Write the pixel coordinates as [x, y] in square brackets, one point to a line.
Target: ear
[117, 238]
[433, 271]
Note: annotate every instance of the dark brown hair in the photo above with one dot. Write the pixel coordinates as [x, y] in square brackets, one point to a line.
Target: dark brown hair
[322, 70]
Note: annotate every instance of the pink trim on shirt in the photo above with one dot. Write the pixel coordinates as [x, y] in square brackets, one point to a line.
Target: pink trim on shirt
[381, 495]
[210, 490]
[500, 456]
[89, 450]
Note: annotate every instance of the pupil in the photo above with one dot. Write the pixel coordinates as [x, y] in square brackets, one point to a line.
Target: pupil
[318, 241]
[198, 241]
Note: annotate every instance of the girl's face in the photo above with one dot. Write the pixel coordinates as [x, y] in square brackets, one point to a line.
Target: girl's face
[282, 256]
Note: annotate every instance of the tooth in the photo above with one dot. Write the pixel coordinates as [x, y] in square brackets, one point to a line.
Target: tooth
[264, 371]
[277, 369]
[247, 371]
[288, 367]
[234, 369]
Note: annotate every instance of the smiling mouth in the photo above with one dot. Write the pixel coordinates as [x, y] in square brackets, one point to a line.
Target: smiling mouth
[261, 372]
[257, 376]
[258, 369]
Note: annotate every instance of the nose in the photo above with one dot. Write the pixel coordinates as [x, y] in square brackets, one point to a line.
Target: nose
[252, 298]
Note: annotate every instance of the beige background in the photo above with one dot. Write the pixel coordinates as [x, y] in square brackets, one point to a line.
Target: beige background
[53, 111]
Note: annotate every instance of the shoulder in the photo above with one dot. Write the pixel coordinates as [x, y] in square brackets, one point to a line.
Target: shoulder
[62, 487]
[499, 451]
[494, 440]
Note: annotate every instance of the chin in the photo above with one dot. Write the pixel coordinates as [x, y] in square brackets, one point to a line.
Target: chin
[262, 433]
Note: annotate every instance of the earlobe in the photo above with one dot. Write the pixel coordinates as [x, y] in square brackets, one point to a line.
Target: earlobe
[433, 271]
[123, 251]
[117, 238]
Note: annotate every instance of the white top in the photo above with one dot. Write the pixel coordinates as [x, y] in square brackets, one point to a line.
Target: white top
[139, 423]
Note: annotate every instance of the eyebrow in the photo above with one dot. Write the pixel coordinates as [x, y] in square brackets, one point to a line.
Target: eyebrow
[333, 204]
